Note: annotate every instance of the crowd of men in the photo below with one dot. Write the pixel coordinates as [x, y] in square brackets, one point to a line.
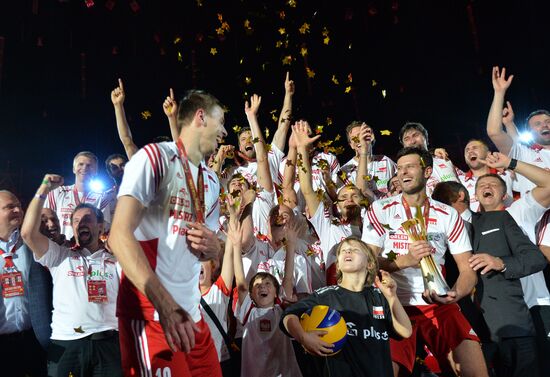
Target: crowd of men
[209, 243]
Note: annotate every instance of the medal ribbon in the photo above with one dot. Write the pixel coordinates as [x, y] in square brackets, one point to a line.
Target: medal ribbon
[426, 212]
[76, 198]
[197, 192]
[8, 257]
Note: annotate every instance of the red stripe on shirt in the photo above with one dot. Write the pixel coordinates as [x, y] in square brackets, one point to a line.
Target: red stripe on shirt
[375, 223]
[457, 230]
[154, 165]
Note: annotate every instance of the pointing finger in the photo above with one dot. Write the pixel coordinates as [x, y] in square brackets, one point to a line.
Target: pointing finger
[120, 84]
[171, 93]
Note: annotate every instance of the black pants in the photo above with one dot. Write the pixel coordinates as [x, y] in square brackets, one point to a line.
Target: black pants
[516, 357]
[96, 355]
[541, 320]
[22, 355]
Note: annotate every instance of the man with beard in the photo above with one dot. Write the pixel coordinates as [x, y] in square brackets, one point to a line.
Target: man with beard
[539, 126]
[49, 226]
[114, 165]
[475, 153]
[85, 288]
[245, 157]
[415, 135]
[26, 300]
[329, 229]
[64, 199]
[437, 320]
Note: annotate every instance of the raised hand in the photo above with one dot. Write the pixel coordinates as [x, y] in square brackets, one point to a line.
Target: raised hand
[252, 109]
[387, 285]
[301, 131]
[497, 160]
[170, 106]
[289, 84]
[508, 114]
[53, 181]
[365, 137]
[118, 95]
[441, 153]
[500, 83]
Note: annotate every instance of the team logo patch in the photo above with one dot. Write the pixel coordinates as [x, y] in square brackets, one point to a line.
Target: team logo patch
[378, 312]
[397, 216]
[265, 325]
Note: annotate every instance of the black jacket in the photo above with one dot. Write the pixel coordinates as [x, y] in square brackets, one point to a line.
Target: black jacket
[499, 293]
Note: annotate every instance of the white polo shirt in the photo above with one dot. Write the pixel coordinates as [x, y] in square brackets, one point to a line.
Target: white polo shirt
[535, 155]
[469, 180]
[155, 177]
[443, 171]
[73, 316]
[384, 229]
[381, 168]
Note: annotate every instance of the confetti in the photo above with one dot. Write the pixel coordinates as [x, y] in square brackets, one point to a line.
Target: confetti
[323, 164]
[303, 51]
[329, 121]
[255, 140]
[335, 80]
[213, 51]
[145, 114]
[291, 3]
[248, 80]
[326, 40]
[374, 83]
[304, 28]
[337, 137]
[318, 129]
[278, 44]
[241, 61]
[180, 57]
[348, 89]
[266, 132]
[237, 128]
[384, 93]
[310, 73]
[282, 14]
[350, 78]
[392, 256]
[385, 132]
[282, 31]
[177, 40]
[274, 115]
[287, 60]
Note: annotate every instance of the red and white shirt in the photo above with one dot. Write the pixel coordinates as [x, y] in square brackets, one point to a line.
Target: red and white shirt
[250, 170]
[155, 177]
[266, 350]
[535, 155]
[317, 180]
[64, 199]
[381, 169]
[469, 180]
[331, 232]
[73, 316]
[383, 229]
[217, 298]
[443, 171]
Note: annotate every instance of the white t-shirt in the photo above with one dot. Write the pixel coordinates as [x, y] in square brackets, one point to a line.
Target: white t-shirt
[73, 316]
[381, 169]
[263, 258]
[250, 170]
[331, 232]
[317, 179]
[535, 155]
[155, 177]
[443, 171]
[527, 212]
[383, 229]
[217, 299]
[63, 200]
[266, 350]
[469, 180]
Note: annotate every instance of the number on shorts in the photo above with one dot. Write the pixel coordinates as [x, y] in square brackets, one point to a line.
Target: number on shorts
[163, 372]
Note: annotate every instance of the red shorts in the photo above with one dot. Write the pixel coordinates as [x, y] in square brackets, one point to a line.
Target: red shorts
[145, 352]
[441, 327]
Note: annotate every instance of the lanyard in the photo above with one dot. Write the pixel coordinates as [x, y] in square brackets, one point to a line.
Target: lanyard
[76, 198]
[8, 257]
[197, 192]
[425, 214]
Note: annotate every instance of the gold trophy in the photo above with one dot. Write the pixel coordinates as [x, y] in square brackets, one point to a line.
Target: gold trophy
[431, 274]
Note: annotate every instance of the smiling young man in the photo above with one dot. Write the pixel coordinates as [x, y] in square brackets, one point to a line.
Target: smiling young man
[85, 288]
[64, 199]
[475, 153]
[437, 320]
[164, 226]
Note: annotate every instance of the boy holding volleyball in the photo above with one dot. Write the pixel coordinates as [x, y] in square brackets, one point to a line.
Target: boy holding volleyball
[372, 315]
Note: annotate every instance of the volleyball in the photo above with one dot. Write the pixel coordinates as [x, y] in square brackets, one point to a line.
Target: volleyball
[323, 318]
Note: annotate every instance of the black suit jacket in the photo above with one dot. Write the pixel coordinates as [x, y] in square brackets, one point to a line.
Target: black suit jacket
[499, 293]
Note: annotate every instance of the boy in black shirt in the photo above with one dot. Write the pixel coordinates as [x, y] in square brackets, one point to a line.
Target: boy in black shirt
[367, 311]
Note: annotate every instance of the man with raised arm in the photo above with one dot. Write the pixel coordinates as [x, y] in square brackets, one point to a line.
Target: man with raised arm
[64, 199]
[437, 320]
[380, 168]
[164, 226]
[539, 125]
[245, 157]
[331, 230]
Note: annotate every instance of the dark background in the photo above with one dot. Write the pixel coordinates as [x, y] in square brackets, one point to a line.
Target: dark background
[59, 60]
